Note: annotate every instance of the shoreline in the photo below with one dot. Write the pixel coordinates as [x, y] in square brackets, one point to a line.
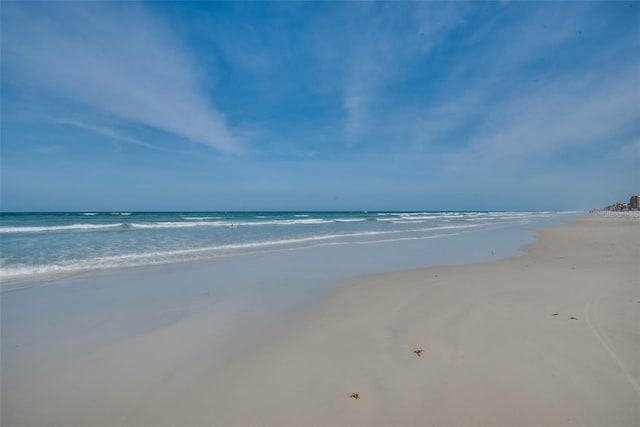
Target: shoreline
[19, 283]
[217, 244]
[494, 352]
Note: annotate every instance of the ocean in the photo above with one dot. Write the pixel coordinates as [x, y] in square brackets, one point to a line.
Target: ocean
[35, 246]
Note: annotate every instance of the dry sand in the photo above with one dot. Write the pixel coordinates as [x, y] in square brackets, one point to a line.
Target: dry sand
[494, 352]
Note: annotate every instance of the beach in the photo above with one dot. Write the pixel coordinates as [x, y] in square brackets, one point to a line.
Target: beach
[550, 337]
[319, 213]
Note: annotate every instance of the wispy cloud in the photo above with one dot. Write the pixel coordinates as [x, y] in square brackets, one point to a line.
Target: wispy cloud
[116, 59]
[106, 132]
[382, 48]
[549, 93]
[527, 83]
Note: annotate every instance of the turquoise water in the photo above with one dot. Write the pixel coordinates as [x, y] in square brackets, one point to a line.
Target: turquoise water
[40, 245]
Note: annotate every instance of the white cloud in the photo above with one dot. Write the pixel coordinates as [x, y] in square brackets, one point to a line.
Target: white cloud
[115, 58]
[106, 132]
[562, 115]
[490, 110]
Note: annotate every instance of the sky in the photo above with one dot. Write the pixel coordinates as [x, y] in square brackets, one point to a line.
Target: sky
[319, 105]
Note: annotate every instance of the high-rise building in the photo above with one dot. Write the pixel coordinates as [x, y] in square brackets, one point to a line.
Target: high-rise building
[634, 202]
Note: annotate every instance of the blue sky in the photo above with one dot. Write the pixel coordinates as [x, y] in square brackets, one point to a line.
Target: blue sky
[319, 105]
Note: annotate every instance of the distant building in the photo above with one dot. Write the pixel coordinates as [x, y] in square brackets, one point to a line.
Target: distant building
[634, 202]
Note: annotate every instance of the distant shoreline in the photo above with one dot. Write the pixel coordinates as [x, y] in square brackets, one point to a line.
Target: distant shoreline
[606, 213]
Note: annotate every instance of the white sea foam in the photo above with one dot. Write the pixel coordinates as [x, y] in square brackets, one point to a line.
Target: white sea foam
[200, 218]
[409, 221]
[71, 227]
[302, 219]
[178, 224]
[408, 217]
[133, 259]
[111, 246]
[157, 225]
[285, 222]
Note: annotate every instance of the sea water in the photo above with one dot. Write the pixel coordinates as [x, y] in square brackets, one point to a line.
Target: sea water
[34, 246]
